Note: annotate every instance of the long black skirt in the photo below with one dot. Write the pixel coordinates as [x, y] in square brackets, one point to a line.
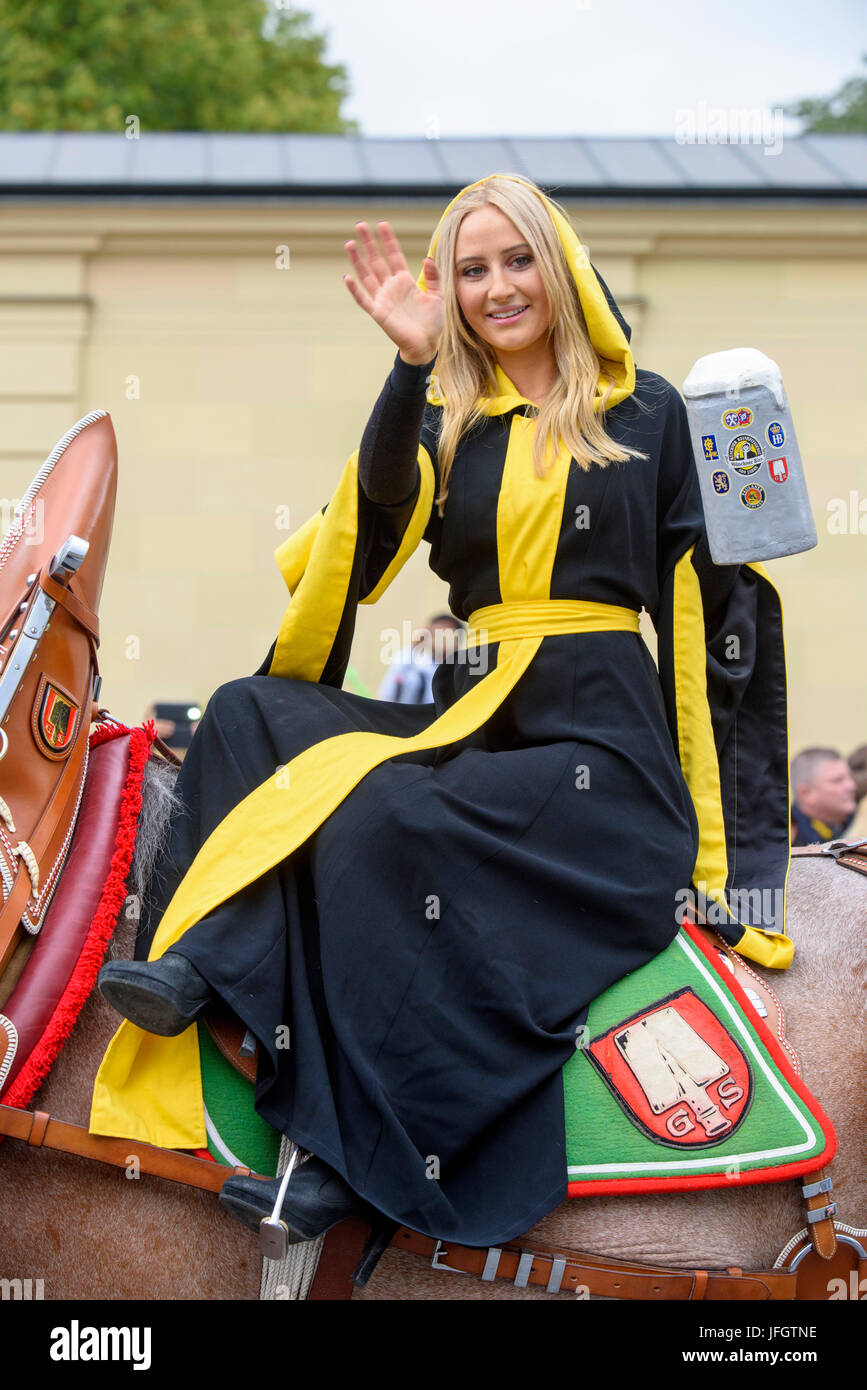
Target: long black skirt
[433, 948]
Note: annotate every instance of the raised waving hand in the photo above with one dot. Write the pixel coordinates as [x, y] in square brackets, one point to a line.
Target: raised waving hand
[386, 290]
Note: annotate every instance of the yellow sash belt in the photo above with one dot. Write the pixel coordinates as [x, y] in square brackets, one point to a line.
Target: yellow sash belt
[503, 622]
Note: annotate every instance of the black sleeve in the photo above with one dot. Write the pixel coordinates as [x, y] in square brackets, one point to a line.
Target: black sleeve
[728, 593]
[722, 669]
[388, 455]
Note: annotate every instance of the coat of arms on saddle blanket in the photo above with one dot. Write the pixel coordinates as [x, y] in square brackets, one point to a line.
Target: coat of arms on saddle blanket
[676, 1083]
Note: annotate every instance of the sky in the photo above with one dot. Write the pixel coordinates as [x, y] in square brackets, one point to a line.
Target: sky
[582, 67]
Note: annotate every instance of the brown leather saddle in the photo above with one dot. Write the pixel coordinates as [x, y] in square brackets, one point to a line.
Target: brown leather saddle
[235, 1041]
[52, 564]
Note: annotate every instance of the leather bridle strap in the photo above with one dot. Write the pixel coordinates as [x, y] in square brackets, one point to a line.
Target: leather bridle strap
[40, 1131]
[849, 854]
[562, 1270]
[75, 607]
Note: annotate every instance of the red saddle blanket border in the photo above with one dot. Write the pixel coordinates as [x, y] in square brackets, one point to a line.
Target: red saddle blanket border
[112, 898]
[624, 1186]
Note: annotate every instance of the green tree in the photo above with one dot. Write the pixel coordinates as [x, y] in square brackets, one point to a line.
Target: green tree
[846, 110]
[175, 64]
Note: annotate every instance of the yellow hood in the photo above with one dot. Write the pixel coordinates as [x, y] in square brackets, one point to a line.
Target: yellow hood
[608, 331]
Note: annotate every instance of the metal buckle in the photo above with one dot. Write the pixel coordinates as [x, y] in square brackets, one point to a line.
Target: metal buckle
[837, 847]
[814, 1188]
[437, 1263]
[821, 1213]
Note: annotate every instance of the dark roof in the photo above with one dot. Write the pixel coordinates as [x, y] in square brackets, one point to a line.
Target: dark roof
[202, 165]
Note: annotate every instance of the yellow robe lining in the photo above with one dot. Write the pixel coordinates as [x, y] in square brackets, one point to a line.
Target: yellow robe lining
[700, 765]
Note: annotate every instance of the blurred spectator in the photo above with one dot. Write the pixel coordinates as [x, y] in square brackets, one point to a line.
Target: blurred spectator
[858, 767]
[409, 678]
[824, 796]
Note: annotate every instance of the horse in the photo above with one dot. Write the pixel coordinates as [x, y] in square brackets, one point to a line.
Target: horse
[89, 1231]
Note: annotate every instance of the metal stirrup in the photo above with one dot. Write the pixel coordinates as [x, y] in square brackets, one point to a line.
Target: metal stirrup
[274, 1233]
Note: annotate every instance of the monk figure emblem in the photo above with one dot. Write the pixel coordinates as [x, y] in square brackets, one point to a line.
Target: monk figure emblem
[676, 1072]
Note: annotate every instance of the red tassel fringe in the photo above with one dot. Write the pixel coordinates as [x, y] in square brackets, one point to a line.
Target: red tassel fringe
[83, 978]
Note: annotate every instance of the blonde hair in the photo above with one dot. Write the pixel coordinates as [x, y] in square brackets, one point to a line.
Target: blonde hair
[465, 366]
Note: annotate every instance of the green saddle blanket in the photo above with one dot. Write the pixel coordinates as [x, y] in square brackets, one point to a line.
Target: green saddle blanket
[676, 1083]
[236, 1133]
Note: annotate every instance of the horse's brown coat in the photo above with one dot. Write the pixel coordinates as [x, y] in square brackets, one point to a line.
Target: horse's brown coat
[90, 1232]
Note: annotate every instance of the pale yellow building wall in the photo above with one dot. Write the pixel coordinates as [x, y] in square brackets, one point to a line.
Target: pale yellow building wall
[238, 389]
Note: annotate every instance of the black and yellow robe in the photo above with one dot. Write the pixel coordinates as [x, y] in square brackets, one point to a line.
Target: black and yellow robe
[422, 901]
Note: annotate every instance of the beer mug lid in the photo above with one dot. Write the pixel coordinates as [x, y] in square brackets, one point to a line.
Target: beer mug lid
[734, 370]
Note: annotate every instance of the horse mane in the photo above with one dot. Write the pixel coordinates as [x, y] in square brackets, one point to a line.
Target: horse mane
[160, 802]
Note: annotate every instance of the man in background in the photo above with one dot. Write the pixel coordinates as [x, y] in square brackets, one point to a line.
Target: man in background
[858, 767]
[409, 679]
[824, 796]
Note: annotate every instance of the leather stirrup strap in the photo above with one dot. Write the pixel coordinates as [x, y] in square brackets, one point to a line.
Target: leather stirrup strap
[821, 1210]
[341, 1252]
[40, 1131]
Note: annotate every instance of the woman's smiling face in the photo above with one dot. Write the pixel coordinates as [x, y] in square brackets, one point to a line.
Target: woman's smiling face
[496, 274]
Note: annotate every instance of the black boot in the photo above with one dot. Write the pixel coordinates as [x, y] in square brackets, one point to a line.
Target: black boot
[316, 1199]
[161, 996]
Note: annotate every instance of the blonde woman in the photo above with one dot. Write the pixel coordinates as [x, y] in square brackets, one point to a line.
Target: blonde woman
[490, 863]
